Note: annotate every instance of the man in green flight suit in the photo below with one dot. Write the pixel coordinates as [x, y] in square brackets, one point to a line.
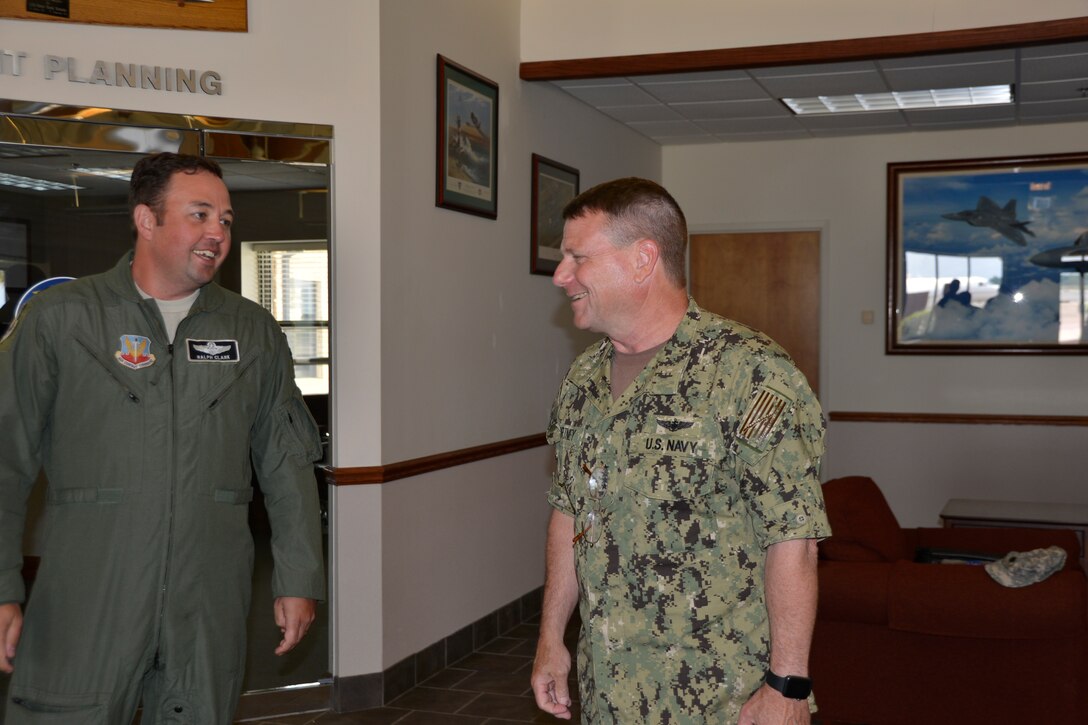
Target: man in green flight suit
[149, 395]
[686, 500]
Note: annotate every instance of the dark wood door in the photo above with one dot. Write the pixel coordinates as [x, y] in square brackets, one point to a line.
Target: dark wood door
[767, 280]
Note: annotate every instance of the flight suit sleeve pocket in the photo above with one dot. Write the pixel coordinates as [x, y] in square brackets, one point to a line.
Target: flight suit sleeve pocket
[301, 437]
[233, 495]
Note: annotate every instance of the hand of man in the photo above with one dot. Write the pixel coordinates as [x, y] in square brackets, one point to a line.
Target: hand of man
[11, 626]
[294, 615]
[770, 707]
[549, 680]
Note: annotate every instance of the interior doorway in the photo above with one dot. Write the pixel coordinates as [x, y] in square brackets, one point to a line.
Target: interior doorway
[766, 280]
[64, 212]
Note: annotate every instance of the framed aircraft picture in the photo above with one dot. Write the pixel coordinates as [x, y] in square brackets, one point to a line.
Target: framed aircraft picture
[467, 164]
[988, 256]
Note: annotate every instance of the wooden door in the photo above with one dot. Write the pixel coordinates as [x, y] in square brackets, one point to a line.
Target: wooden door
[767, 280]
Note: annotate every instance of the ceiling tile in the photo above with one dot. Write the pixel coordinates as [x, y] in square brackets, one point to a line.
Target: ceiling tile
[824, 84]
[627, 94]
[989, 73]
[853, 120]
[667, 128]
[751, 125]
[738, 105]
[737, 89]
[731, 109]
[1060, 67]
[942, 60]
[628, 114]
[1057, 49]
[1055, 109]
[945, 116]
[1068, 90]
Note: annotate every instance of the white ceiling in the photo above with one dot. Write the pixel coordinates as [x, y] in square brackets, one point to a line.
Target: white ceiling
[1050, 84]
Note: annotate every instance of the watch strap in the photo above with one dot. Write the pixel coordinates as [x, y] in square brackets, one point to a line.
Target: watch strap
[792, 686]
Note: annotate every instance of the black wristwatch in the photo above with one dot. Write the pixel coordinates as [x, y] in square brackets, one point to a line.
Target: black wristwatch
[792, 686]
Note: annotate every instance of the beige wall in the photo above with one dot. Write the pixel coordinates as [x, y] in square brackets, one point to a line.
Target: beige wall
[473, 346]
[839, 185]
[560, 29]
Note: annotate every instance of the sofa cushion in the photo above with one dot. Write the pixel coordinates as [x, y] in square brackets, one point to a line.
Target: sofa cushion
[863, 527]
[854, 592]
[961, 600]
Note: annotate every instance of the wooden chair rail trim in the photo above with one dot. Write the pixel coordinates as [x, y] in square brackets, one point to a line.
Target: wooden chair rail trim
[765, 56]
[426, 464]
[417, 466]
[957, 418]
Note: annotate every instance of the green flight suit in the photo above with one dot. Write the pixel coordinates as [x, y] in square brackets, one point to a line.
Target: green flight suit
[149, 450]
[711, 456]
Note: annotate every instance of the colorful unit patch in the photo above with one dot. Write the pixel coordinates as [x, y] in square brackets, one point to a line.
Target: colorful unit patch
[135, 352]
[212, 350]
[762, 415]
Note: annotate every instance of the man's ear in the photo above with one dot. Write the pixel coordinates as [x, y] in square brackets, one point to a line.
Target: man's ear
[143, 218]
[649, 253]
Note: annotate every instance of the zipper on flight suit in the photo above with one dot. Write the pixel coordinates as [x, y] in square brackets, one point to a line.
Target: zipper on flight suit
[154, 318]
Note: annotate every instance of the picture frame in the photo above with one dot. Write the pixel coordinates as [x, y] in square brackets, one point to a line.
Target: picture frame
[467, 165]
[988, 256]
[221, 15]
[553, 186]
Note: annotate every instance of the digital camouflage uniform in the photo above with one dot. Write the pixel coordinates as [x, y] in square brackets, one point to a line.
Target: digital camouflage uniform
[712, 455]
[149, 449]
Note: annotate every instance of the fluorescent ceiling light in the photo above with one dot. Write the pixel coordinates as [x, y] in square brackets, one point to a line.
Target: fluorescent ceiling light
[118, 174]
[24, 182]
[908, 100]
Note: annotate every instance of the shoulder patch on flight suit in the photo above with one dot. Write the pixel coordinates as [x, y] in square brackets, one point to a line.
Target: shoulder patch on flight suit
[135, 352]
[760, 418]
[212, 350]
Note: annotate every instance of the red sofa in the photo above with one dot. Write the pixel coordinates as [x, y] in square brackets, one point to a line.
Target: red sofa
[904, 643]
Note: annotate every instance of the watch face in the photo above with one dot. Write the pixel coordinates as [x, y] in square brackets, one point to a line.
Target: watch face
[793, 687]
[797, 688]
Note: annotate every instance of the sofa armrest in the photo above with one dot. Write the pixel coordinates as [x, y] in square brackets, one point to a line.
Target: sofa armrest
[961, 600]
[999, 541]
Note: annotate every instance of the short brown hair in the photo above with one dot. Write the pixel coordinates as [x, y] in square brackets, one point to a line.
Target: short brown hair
[638, 209]
[152, 175]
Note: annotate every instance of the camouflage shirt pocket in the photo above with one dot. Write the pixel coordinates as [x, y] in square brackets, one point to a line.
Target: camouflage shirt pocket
[668, 485]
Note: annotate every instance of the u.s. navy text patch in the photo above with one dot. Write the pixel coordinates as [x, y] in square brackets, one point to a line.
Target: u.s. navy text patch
[212, 350]
[761, 417]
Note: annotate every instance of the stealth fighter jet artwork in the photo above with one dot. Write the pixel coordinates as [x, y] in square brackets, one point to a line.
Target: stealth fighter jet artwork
[1073, 257]
[1001, 219]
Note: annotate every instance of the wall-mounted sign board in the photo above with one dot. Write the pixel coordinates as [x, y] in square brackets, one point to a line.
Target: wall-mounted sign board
[228, 15]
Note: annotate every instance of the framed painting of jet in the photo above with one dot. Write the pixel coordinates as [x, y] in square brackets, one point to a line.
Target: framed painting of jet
[988, 256]
[467, 168]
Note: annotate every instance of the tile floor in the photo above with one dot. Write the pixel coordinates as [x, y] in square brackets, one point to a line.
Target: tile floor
[489, 686]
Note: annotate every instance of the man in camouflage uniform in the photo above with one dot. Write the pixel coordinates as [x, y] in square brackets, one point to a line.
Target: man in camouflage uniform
[686, 503]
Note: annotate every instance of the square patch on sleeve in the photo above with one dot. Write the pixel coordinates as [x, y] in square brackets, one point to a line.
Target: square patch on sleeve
[762, 416]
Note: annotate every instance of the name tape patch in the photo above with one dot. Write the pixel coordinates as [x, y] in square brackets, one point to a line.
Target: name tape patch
[225, 351]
